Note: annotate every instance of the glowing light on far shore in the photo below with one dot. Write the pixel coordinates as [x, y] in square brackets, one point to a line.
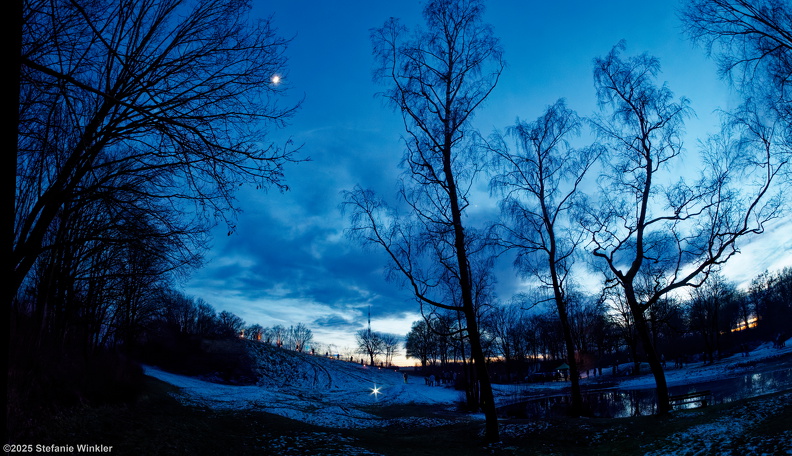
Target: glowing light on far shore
[275, 79]
[741, 326]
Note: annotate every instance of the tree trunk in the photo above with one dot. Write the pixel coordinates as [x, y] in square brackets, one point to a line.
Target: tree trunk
[574, 373]
[467, 376]
[486, 398]
[663, 404]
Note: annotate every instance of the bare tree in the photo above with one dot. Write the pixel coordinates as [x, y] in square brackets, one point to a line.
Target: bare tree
[502, 323]
[708, 306]
[300, 336]
[98, 280]
[390, 344]
[752, 42]
[229, 324]
[421, 342]
[436, 339]
[254, 332]
[135, 292]
[179, 310]
[137, 122]
[205, 318]
[16, 13]
[437, 79]
[656, 234]
[279, 335]
[771, 296]
[170, 98]
[540, 182]
[592, 329]
[370, 344]
[622, 319]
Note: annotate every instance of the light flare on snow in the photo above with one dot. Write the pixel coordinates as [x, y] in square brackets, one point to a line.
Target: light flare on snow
[376, 391]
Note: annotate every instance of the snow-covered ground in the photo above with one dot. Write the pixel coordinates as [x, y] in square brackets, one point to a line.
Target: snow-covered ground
[699, 372]
[695, 372]
[311, 389]
[729, 431]
[337, 394]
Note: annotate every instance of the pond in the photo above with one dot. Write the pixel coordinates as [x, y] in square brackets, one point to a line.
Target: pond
[613, 403]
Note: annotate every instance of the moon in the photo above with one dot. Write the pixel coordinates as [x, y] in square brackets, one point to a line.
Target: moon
[275, 79]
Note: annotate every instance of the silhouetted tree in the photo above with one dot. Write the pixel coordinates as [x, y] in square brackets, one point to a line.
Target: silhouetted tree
[166, 99]
[503, 322]
[421, 343]
[179, 310]
[390, 344]
[300, 337]
[279, 335]
[206, 318]
[708, 306]
[15, 13]
[624, 324]
[540, 182]
[229, 325]
[254, 332]
[370, 344]
[437, 78]
[436, 338]
[656, 235]
[752, 42]
[590, 328]
[771, 298]
[666, 322]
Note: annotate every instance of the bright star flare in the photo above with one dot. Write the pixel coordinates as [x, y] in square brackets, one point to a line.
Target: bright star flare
[376, 391]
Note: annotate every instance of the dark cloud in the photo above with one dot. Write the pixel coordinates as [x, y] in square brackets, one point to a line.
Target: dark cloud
[292, 245]
[337, 322]
[289, 253]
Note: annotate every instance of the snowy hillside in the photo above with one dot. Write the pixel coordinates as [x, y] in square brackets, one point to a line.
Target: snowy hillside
[312, 389]
[333, 393]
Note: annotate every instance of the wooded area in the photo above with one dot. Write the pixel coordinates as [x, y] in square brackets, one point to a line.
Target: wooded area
[134, 124]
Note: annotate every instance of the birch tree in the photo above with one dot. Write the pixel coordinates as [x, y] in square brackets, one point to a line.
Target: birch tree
[540, 181]
[436, 78]
[655, 232]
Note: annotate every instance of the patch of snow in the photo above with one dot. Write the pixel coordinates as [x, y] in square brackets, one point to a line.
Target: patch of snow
[311, 389]
[331, 393]
[699, 372]
[728, 432]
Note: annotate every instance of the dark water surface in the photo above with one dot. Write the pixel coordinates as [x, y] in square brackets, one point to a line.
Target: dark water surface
[612, 403]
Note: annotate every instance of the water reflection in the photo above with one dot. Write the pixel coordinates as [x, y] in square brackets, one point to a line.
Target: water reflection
[613, 403]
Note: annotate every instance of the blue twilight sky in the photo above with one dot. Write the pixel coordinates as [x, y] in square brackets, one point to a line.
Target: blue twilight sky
[289, 260]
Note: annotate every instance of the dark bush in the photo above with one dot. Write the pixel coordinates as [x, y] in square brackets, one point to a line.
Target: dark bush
[46, 377]
[218, 360]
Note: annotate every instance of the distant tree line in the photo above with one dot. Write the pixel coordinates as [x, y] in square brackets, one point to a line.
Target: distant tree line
[195, 317]
[712, 321]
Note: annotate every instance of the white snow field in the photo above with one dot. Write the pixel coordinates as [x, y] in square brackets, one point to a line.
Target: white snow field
[331, 393]
[311, 389]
